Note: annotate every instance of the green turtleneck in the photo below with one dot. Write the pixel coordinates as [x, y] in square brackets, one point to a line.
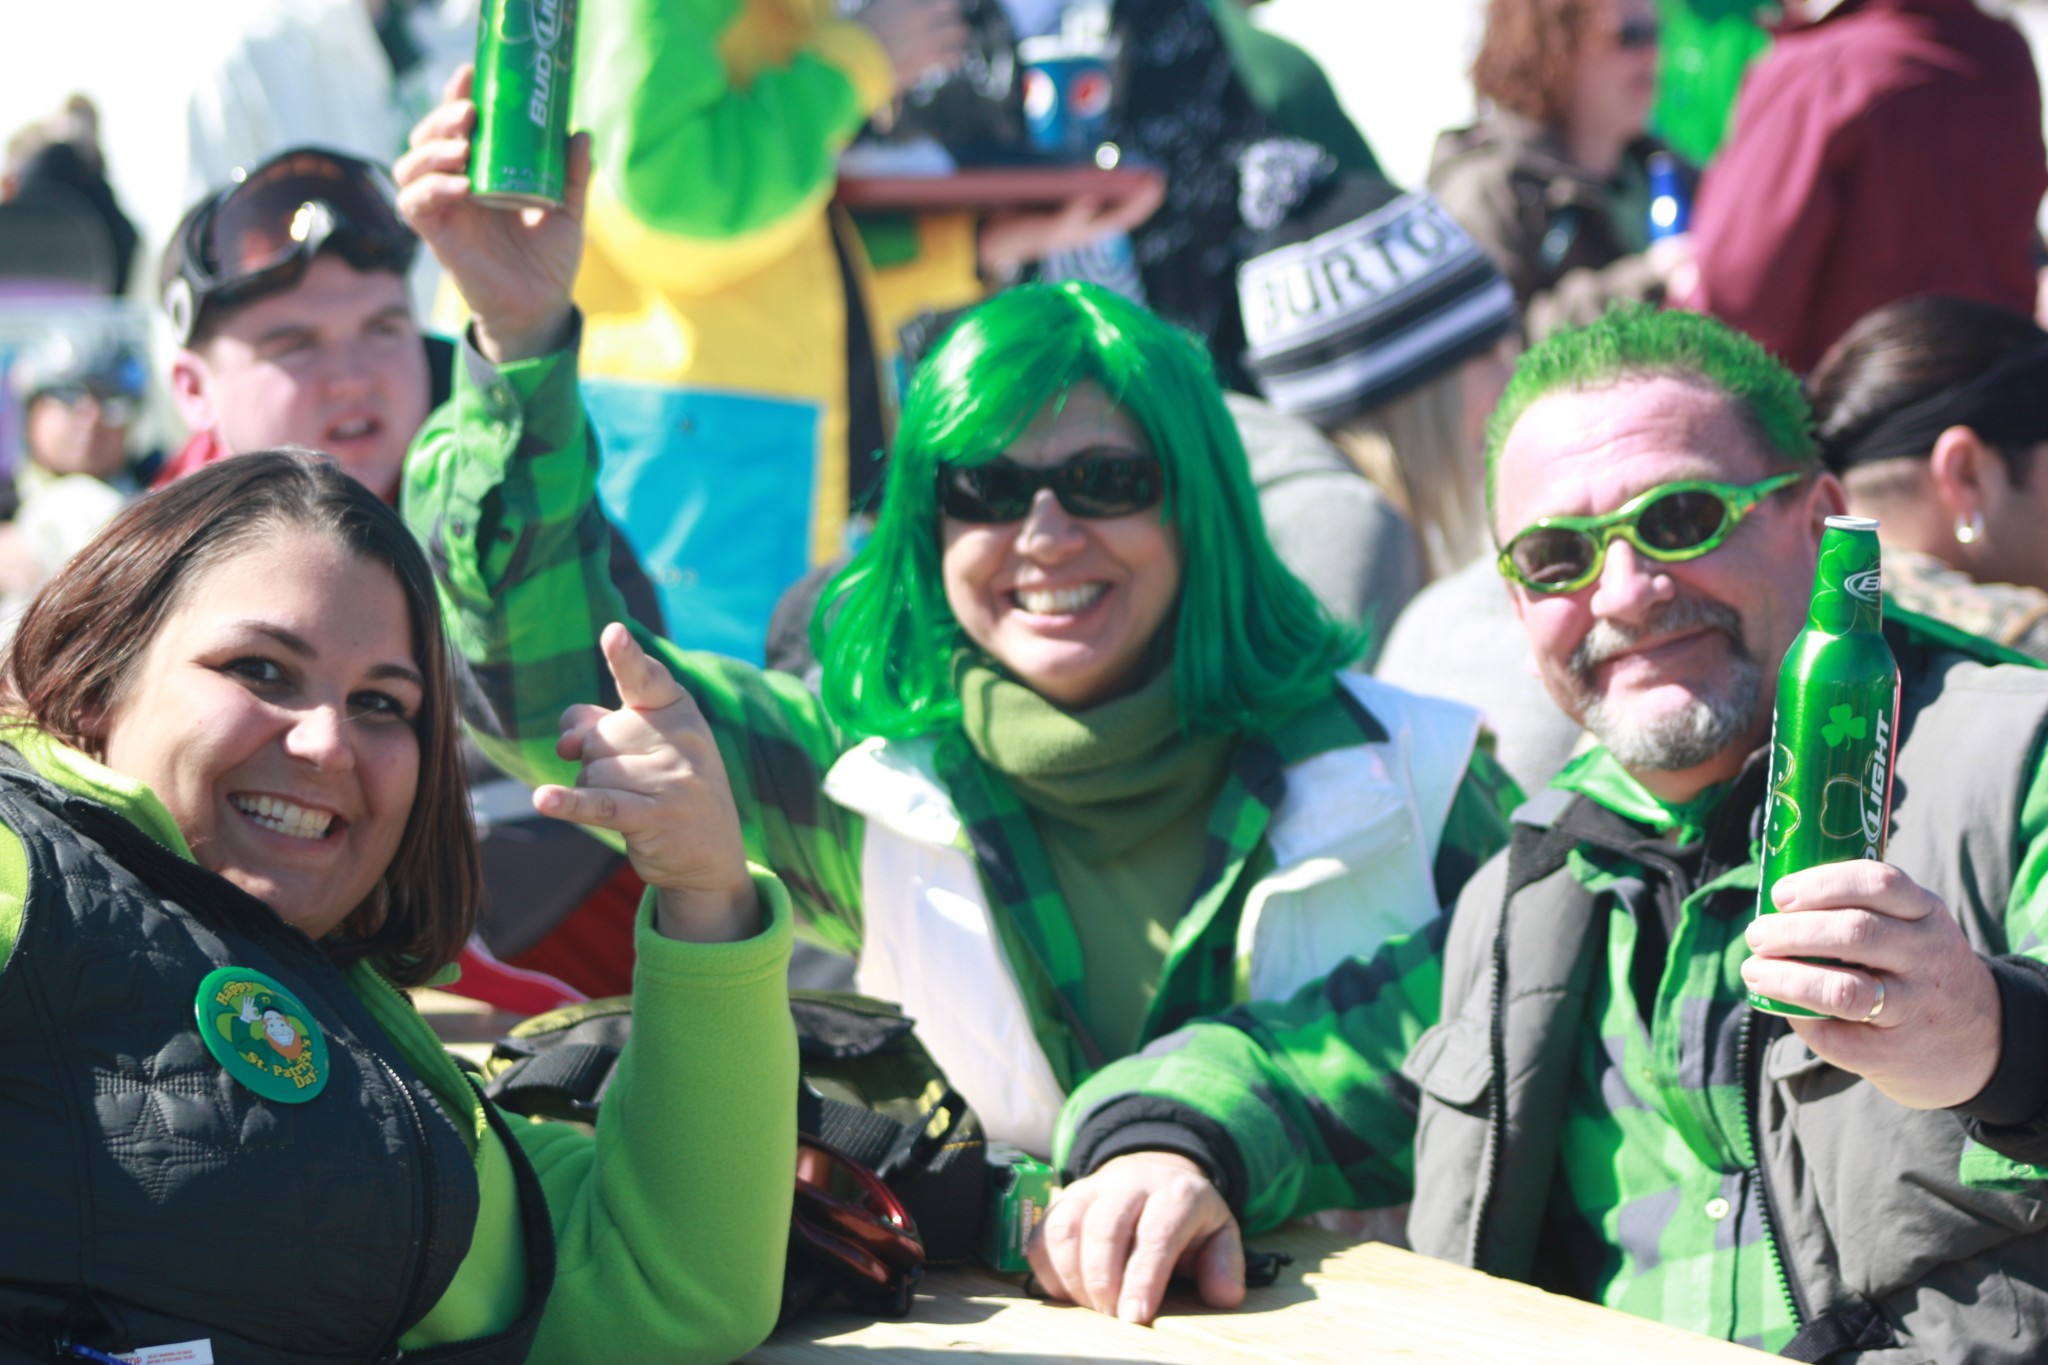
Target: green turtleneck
[1121, 799]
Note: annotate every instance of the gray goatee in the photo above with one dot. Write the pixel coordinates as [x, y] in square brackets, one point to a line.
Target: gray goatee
[1696, 732]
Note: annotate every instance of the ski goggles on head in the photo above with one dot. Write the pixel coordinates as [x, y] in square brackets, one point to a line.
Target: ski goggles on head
[259, 234]
[851, 1226]
[1097, 483]
[1669, 523]
[116, 409]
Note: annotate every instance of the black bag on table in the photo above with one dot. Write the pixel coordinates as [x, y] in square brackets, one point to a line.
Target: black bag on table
[869, 1092]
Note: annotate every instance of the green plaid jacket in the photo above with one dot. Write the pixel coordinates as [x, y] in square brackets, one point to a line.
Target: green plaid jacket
[1653, 1204]
[500, 486]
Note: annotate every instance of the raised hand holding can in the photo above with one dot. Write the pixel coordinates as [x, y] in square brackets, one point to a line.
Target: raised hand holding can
[524, 59]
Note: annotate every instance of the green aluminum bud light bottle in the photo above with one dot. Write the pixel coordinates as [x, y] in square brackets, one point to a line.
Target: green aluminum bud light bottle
[519, 155]
[1834, 730]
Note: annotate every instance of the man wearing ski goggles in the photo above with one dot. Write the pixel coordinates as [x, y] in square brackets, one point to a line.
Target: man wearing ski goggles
[286, 291]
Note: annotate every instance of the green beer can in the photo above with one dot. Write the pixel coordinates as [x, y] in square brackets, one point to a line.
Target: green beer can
[524, 54]
[1834, 729]
[1020, 1190]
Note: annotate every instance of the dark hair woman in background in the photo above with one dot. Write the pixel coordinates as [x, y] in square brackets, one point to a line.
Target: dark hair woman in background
[1934, 410]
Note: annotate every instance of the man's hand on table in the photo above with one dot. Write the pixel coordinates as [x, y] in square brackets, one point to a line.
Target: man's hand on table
[1113, 1240]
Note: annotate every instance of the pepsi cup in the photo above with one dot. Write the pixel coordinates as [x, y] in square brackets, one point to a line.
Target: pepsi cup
[1066, 97]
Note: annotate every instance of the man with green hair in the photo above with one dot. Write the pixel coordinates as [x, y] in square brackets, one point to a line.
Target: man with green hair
[1563, 1074]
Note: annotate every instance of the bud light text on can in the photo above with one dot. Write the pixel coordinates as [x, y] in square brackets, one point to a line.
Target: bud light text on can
[1834, 731]
[1670, 210]
[519, 156]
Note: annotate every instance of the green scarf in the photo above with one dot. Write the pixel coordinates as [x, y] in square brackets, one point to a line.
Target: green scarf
[1121, 799]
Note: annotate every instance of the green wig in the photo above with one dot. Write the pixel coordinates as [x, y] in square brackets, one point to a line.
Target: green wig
[1250, 643]
[1632, 341]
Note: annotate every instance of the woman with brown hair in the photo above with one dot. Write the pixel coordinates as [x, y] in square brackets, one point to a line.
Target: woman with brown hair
[1554, 177]
[233, 830]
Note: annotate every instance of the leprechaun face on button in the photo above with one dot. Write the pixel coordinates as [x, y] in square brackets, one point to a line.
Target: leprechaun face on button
[282, 1035]
[273, 714]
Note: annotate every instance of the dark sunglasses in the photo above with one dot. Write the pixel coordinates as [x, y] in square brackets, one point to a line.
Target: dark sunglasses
[1103, 481]
[852, 1227]
[1637, 35]
[1668, 523]
[259, 234]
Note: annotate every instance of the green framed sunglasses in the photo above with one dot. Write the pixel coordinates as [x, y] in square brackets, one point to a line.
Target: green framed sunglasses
[1668, 523]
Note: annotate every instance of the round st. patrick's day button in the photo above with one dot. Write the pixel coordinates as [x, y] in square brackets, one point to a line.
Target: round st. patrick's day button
[261, 1035]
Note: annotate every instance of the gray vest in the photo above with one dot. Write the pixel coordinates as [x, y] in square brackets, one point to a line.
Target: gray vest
[150, 1198]
[1886, 1248]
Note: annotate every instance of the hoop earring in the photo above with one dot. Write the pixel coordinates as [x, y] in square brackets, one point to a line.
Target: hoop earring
[1970, 530]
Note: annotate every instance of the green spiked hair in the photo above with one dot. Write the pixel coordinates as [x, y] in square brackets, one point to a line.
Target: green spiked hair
[1635, 341]
[1250, 644]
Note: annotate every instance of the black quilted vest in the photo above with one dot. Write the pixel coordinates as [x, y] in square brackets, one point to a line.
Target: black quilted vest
[147, 1197]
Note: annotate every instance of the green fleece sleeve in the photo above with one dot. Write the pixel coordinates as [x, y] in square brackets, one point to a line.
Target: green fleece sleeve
[1302, 1104]
[712, 119]
[13, 892]
[501, 486]
[672, 1223]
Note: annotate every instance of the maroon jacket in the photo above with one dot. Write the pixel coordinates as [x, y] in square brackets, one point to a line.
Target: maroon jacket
[1892, 148]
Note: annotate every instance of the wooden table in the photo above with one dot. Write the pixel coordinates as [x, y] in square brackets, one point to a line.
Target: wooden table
[1340, 1302]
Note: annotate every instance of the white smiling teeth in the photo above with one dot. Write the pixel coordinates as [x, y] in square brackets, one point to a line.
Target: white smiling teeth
[284, 817]
[351, 430]
[1059, 601]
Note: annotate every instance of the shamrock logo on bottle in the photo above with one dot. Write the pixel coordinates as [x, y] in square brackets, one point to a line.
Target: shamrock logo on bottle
[1843, 723]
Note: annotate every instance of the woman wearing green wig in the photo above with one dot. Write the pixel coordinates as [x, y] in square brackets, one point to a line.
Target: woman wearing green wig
[1083, 768]
[1246, 644]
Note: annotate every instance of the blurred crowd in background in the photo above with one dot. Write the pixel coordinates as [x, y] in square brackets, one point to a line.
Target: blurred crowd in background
[1512, 167]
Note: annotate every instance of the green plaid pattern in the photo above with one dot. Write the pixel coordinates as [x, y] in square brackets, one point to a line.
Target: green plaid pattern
[1661, 1212]
[1655, 1200]
[500, 486]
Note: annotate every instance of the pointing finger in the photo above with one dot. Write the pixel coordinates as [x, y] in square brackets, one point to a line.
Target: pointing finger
[643, 683]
